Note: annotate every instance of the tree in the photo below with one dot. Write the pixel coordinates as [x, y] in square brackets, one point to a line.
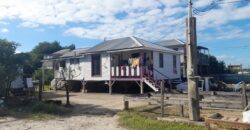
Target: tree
[49, 75]
[216, 67]
[8, 65]
[67, 75]
[24, 61]
[37, 54]
[43, 48]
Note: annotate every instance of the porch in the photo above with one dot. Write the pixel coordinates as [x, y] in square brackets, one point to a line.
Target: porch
[131, 65]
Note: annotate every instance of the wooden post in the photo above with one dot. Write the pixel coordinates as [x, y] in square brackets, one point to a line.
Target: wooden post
[170, 86]
[191, 50]
[83, 86]
[141, 87]
[67, 93]
[126, 105]
[162, 98]
[40, 90]
[244, 96]
[110, 87]
[43, 77]
[181, 110]
[67, 86]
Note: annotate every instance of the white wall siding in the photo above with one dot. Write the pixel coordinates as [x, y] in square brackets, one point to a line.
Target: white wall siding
[167, 66]
[76, 69]
[83, 69]
[105, 68]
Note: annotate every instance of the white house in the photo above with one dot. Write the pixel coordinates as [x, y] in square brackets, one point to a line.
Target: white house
[118, 60]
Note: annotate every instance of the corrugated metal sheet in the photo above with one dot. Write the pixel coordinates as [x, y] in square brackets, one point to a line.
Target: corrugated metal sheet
[127, 43]
[171, 42]
[153, 46]
[75, 53]
[115, 44]
[60, 53]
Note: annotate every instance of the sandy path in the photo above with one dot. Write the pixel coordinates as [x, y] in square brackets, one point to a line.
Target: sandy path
[71, 123]
[91, 112]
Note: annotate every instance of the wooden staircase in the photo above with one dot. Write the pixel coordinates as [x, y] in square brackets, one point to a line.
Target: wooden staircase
[151, 82]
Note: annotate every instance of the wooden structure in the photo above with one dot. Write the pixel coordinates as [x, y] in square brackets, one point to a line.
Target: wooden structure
[217, 121]
[214, 100]
[225, 123]
[223, 100]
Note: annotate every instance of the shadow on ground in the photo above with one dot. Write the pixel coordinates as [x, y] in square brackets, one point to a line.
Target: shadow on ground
[19, 108]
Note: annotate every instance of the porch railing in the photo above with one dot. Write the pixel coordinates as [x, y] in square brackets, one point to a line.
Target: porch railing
[126, 71]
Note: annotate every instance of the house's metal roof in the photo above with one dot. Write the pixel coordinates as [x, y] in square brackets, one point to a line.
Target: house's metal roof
[175, 42]
[115, 44]
[75, 53]
[60, 52]
[127, 43]
[153, 46]
[171, 42]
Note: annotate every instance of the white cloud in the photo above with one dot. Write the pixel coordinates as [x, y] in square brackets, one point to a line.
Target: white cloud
[145, 18]
[4, 23]
[29, 24]
[225, 57]
[4, 30]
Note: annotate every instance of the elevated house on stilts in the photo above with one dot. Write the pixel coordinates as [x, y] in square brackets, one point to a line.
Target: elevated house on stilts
[119, 60]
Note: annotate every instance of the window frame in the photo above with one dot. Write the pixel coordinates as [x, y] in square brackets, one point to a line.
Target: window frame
[161, 60]
[93, 61]
[174, 64]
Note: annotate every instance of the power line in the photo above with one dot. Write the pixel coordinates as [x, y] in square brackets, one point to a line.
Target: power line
[212, 5]
[233, 47]
[230, 2]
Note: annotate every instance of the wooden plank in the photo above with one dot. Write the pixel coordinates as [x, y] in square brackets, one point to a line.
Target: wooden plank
[232, 124]
[162, 98]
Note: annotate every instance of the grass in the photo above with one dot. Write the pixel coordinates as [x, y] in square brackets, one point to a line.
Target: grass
[34, 110]
[136, 121]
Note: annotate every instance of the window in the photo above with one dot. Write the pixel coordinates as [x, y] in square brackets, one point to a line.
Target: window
[62, 64]
[174, 64]
[77, 61]
[96, 65]
[71, 61]
[74, 61]
[161, 60]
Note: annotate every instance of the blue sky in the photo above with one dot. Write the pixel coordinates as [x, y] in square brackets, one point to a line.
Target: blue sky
[225, 29]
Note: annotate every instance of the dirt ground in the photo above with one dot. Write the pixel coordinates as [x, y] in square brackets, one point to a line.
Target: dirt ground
[91, 111]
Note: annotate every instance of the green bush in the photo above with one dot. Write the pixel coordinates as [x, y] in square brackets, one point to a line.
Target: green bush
[48, 75]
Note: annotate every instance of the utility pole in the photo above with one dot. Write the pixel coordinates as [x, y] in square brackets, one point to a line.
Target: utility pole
[191, 50]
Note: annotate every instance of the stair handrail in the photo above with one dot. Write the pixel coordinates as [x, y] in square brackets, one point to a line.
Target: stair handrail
[161, 73]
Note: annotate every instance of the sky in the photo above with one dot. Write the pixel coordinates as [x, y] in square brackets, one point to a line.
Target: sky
[224, 28]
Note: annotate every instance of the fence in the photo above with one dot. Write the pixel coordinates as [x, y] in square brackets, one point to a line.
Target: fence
[220, 100]
[233, 78]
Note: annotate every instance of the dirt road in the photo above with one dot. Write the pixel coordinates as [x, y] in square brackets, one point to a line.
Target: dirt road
[93, 111]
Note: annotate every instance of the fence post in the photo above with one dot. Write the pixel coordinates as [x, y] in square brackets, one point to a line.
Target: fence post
[126, 104]
[244, 96]
[181, 110]
[162, 98]
[40, 90]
